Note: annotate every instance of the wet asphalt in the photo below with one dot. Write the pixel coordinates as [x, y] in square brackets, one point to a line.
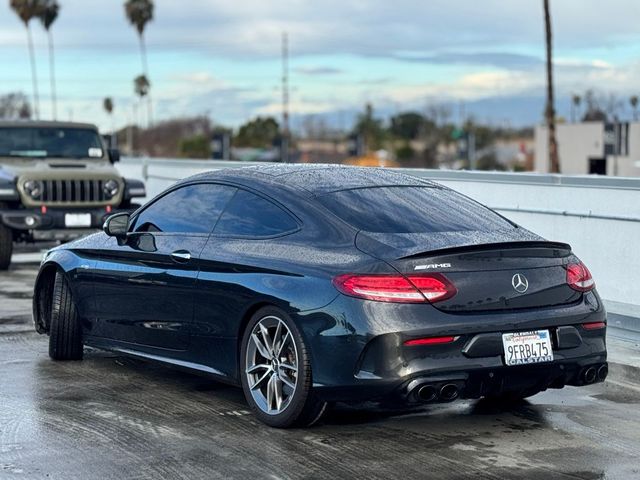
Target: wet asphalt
[111, 417]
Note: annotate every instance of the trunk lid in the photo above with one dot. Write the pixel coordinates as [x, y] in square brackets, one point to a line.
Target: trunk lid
[492, 271]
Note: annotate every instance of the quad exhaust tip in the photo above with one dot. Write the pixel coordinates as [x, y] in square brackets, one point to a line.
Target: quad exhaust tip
[449, 392]
[590, 375]
[603, 371]
[427, 393]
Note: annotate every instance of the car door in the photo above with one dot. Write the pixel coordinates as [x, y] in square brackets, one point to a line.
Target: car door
[144, 287]
[234, 271]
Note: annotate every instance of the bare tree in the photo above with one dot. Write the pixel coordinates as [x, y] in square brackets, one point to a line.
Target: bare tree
[139, 13]
[550, 111]
[107, 104]
[594, 111]
[14, 106]
[634, 105]
[613, 105]
[48, 14]
[27, 10]
[575, 107]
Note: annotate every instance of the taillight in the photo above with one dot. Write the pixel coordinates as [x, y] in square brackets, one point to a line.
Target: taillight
[594, 325]
[435, 287]
[429, 341]
[579, 277]
[396, 288]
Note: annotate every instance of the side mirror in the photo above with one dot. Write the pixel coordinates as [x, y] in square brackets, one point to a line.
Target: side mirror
[114, 155]
[117, 225]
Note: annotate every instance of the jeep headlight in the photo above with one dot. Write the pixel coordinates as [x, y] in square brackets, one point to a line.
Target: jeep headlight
[33, 188]
[111, 188]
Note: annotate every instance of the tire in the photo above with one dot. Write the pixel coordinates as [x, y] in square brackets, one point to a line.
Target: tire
[6, 247]
[65, 332]
[300, 407]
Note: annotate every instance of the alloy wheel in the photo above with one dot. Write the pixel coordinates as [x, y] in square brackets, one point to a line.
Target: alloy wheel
[271, 365]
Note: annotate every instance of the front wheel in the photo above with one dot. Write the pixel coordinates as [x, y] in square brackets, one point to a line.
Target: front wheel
[6, 247]
[276, 371]
[65, 335]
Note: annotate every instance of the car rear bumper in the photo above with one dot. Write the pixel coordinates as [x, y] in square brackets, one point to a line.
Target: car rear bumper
[362, 356]
[471, 382]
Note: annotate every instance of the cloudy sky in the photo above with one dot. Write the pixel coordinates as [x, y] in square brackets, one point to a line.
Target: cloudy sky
[222, 58]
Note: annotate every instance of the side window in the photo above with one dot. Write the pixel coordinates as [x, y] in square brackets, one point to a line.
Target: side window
[249, 215]
[190, 209]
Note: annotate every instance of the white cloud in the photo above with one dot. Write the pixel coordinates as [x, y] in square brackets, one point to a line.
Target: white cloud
[494, 48]
[298, 106]
[372, 27]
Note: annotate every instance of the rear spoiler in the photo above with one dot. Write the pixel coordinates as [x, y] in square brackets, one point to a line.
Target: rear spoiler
[556, 249]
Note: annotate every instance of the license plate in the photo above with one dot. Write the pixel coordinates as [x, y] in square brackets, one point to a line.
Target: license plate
[77, 219]
[527, 347]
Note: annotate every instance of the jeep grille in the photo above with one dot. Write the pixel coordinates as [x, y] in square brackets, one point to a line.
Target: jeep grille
[73, 191]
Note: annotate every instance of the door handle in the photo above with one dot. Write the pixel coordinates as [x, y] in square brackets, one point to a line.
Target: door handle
[181, 256]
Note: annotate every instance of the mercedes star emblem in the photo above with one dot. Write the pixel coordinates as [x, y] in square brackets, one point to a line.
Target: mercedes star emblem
[520, 283]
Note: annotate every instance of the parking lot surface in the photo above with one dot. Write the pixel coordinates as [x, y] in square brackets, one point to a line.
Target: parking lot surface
[111, 417]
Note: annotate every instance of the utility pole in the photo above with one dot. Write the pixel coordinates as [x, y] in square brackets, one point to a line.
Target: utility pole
[284, 148]
[550, 112]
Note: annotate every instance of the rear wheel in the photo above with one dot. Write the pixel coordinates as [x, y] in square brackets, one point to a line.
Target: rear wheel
[6, 247]
[276, 371]
[65, 332]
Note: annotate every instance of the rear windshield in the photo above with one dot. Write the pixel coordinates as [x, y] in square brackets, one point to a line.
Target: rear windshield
[50, 142]
[411, 210]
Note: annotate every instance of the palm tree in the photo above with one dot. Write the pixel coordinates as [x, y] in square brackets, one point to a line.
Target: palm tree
[141, 87]
[48, 14]
[27, 10]
[550, 112]
[575, 107]
[139, 13]
[634, 105]
[107, 104]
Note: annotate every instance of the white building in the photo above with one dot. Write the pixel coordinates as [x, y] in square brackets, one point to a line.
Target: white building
[585, 148]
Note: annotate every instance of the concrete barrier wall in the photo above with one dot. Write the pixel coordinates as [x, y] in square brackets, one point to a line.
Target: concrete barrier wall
[598, 216]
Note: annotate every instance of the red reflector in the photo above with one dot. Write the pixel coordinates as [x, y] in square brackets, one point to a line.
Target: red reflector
[396, 288]
[43, 209]
[429, 341]
[579, 277]
[108, 208]
[594, 325]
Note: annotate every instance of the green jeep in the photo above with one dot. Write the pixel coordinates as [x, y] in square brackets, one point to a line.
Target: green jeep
[57, 182]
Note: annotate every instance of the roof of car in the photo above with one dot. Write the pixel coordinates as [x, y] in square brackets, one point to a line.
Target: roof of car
[315, 179]
[45, 124]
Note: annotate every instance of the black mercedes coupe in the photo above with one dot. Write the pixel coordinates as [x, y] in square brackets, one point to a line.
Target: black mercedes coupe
[312, 284]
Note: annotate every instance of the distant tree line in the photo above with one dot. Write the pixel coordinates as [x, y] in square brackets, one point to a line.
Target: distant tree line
[593, 106]
[14, 106]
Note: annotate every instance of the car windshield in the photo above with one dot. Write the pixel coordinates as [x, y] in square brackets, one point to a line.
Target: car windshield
[50, 142]
[399, 209]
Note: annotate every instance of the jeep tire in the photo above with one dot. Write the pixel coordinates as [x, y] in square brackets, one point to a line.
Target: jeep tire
[6, 247]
